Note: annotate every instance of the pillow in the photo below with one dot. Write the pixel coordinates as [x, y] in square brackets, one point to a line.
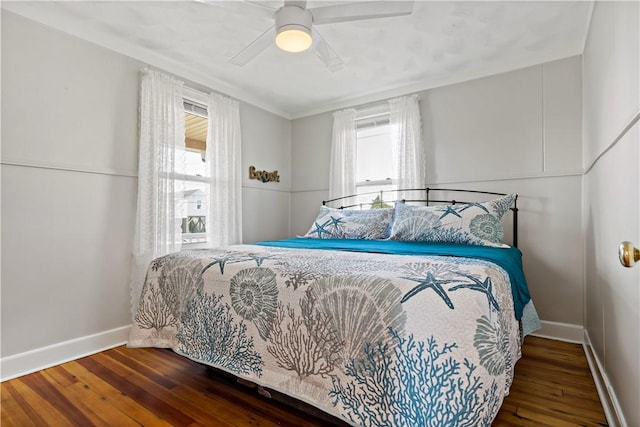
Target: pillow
[351, 224]
[471, 223]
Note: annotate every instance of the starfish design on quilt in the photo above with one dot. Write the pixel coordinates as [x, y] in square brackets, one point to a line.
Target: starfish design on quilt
[320, 229]
[335, 222]
[485, 287]
[470, 205]
[259, 259]
[449, 210]
[430, 282]
[222, 262]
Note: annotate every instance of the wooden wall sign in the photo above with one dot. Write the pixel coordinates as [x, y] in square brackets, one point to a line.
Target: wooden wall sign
[263, 176]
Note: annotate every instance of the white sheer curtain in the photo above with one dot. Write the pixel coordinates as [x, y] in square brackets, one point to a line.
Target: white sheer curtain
[342, 166]
[224, 224]
[406, 139]
[161, 141]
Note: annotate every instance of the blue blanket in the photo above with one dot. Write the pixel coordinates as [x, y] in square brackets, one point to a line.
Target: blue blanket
[510, 259]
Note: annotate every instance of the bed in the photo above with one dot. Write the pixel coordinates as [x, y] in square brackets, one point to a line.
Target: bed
[418, 328]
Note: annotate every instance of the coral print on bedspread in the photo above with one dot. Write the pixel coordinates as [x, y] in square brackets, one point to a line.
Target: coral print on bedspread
[374, 339]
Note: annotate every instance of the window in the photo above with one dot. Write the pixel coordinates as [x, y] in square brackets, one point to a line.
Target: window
[193, 176]
[375, 170]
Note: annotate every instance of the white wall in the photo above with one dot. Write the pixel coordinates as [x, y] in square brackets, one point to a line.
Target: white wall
[310, 149]
[611, 201]
[69, 154]
[266, 144]
[69, 166]
[513, 132]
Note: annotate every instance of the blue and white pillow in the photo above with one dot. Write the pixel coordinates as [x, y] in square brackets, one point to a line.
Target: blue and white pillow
[471, 223]
[351, 224]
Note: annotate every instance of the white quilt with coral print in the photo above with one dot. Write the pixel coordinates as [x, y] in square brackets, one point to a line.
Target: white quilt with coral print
[374, 339]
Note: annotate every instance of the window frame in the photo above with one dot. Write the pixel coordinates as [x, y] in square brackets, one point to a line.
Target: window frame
[367, 118]
[195, 105]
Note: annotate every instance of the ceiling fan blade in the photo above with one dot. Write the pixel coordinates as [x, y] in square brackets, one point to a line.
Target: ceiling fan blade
[358, 11]
[253, 7]
[261, 8]
[326, 54]
[300, 3]
[254, 48]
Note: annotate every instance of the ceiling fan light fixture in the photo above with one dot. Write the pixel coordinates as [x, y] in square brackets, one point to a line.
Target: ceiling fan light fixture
[293, 38]
[293, 29]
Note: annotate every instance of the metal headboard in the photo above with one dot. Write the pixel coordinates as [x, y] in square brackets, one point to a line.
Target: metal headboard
[427, 200]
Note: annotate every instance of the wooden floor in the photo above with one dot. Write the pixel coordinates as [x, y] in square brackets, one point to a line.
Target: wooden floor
[151, 387]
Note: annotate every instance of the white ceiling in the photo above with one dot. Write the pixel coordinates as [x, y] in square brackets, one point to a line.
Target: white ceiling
[439, 43]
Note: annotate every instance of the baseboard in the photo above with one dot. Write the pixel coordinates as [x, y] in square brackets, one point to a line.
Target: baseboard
[561, 331]
[610, 403]
[46, 357]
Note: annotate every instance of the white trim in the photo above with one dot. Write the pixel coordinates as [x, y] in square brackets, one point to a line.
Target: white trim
[311, 190]
[39, 164]
[193, 178]
[257, 187]
[376, 183]
[610, 404]
[534, 175]
[619, 136]
[560, 331]
[542, 114]
[587, 27]
[539, 175]
[45, 357]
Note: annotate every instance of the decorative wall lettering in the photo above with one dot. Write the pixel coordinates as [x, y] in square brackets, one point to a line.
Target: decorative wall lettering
[263, 176]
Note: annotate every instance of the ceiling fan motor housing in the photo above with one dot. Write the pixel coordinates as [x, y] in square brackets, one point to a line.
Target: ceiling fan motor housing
[293, 18]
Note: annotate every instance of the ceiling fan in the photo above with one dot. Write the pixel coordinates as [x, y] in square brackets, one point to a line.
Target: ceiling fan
[294, 27]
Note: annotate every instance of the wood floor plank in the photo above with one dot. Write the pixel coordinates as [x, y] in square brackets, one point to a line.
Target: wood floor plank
[62, 377]
[100, 411]
[183, 372]
[512, 419]
[39, 410]
[553, 386]
[562, 408]
[229, 412]
[155, 358]
[156, 387]
[554, 393]
[119, 399]
[143, 369]
[540, 417]
[52, 394]
[549, 391]
[175, 400]
[165, 411]
[15, 410]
